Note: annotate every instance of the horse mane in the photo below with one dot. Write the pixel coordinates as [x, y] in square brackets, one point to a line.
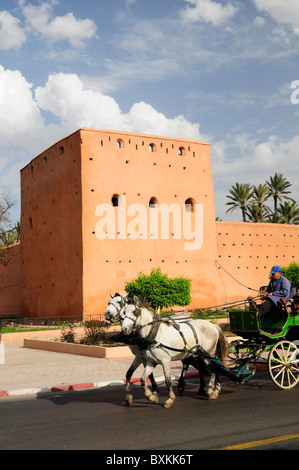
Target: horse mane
[141, 303]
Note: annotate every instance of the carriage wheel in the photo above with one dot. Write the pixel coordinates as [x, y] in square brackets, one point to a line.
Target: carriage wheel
[283, 364]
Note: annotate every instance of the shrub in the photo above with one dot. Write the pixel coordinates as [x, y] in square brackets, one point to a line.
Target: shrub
[159, 290]
[95, 332]
[68, 334]
[291, 272]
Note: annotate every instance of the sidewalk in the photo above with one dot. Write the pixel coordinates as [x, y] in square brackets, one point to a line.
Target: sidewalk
[31, 371]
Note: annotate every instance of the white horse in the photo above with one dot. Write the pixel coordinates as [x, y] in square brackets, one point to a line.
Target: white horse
[166, 341]
[114, 313]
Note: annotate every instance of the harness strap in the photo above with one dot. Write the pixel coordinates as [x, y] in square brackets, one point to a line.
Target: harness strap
[158, 345]
[194, 331]
[178, 328]
[155, 325]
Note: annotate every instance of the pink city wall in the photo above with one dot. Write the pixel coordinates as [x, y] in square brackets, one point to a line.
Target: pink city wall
[247, 251]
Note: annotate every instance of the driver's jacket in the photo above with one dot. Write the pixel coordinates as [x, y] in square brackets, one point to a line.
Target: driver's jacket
[280, 287]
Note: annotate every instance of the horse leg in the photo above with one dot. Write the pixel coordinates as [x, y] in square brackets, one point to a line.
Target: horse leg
[149, 367]
[200, 367]
[202, 387]
[130, 372]
[181, 382]
[214, 386]
[171, 396]
[154, 384]
[136, 351]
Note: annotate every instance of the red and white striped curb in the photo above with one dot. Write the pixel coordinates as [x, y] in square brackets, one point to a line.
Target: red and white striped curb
[89, 385]
[59, 388]
[81, 386]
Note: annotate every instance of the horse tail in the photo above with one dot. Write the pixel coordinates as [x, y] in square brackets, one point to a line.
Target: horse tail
[222, 347]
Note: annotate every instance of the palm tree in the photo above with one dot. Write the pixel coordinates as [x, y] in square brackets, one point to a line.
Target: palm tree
[9, 237]
[273, 218]
[240, 196]
[278, 189]
[289, 213]
[260, 195]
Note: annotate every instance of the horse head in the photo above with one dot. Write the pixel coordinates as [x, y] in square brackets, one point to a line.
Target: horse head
[115, 307]
[130, 315]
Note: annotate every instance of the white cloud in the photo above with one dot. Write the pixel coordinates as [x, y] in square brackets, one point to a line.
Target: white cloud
[40, 21]
[64, 95]
[259, 21]
[11, 34]
[144, 118]
[282, 11]
[243, 159]
[244, 154]
[20, 117]
[208, 11]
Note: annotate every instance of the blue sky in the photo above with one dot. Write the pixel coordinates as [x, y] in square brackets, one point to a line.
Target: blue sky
[220, 71]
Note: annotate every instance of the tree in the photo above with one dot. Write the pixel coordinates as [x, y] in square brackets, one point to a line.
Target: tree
[240, 196]
[159, 290]
[5, 205]
[11, 236]
[5, 238]
[260, 195]
[289, 213]
[252, 201]
[278, 186]
[253, 214]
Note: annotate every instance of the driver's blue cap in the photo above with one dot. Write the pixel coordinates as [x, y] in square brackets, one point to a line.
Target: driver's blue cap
[275, 269]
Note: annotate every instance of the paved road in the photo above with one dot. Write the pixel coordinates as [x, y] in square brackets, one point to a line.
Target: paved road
[98, 419]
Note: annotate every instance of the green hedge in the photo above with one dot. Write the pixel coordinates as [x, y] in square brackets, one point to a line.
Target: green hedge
[159, 290]
[291, 272]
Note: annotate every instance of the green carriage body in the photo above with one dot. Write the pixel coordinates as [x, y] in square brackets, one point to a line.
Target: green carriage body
[247, 323]
[273, 343]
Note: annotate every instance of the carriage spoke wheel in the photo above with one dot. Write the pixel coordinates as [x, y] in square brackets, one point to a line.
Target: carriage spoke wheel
[283, 364]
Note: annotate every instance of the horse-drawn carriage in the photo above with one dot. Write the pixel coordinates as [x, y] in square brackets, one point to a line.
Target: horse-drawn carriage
[202, 344]
[273, 343]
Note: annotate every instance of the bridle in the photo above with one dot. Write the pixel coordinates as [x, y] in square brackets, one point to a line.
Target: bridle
[137, 313]
[118, 307]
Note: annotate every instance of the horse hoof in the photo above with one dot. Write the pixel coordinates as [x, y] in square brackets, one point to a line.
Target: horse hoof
[212, 396]
[129, 401]
[168, 404]
[181, 390]
[154, 398]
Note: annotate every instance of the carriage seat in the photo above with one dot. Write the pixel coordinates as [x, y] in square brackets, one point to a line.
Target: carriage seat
[286, 305]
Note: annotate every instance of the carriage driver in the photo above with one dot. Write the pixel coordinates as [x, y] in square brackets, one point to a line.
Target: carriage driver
[279, 287]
